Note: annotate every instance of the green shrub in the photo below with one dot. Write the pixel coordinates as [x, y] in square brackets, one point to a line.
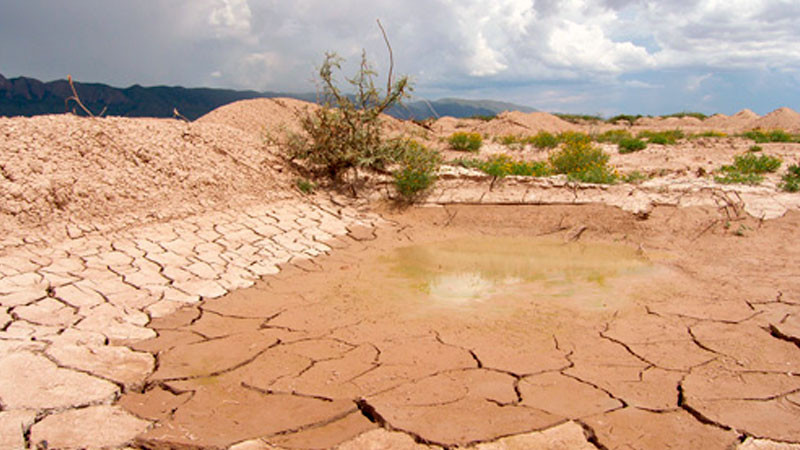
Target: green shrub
[613, 136]
[542, 140]
[508, 140]
[462, 141]
[696, 115]
[467, 163]
[417, 172]
[739, 178]
[503, 165]
[747, 169]
[755, 149]
[669, 137]
[594, 174]
[630, 145]
[708, 134]
[748, 163]
[790, 182]
[578, 118]
[624, 118]
[574, 137]
[634, 177]
[763, 137]
[345, 132]
[305, 186]
[580, 161]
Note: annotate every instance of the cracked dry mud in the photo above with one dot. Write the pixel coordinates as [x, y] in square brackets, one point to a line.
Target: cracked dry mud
[696, 346]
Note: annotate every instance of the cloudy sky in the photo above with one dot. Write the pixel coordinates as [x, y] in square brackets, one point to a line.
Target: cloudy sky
[580, 56]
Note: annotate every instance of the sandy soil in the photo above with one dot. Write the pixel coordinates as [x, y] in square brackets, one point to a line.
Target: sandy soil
[697, 353]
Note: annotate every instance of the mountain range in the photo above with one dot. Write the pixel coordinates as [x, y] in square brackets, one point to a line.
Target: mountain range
[23, 96]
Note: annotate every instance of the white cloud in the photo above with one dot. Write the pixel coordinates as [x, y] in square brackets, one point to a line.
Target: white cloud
[448, 46]
[694, 82]
[638, 84]
[230, 18]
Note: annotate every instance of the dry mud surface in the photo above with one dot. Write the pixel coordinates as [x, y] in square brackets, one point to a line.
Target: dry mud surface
[163, 285]
[702, 351]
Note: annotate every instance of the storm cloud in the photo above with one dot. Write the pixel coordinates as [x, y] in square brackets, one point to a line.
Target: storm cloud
[600, 56]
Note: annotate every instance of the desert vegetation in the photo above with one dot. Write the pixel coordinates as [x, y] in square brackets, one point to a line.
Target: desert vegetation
[467, 142]
[346, 133]
[790, 182]
[777, 135]
[747, 169]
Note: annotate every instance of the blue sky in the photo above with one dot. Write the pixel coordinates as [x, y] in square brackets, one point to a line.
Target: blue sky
[580, 56]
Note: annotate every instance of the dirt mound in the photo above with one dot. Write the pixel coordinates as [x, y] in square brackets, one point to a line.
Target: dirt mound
[63, 168]
[445, 126]
[518, 123]
[717, 120]
[744, 119]
[648, 122]
[780, 119]
[261, 116]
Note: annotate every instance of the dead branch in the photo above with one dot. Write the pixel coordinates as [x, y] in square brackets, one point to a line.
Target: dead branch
[391, 58]
[177, 114]
[76, 98]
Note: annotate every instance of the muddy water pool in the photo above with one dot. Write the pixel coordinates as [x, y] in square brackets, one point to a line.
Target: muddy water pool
[479, 272]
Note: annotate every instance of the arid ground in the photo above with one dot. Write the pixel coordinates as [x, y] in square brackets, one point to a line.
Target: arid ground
[165, 285]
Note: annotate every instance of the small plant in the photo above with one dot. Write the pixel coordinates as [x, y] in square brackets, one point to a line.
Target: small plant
[580, 161]
[755, 149]
[739, 178]
[708, 134]
[542, 140]
[630, 145]
[613, 136]
[741, 230]
[624, 118]
[790, 182]
[508, 140]
[747, 169]
[571, 137]
[305, 186]
[470, 142]
[503, 165]
[669, 137]
[578, 118]
[417, 172]
[467, 163]
[763, 137]
[682, 114]
[634, 177]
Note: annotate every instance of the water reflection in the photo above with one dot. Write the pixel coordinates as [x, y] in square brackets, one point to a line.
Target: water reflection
[476, 269]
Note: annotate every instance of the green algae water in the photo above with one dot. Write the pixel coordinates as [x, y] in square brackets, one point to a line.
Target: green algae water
[478, 269]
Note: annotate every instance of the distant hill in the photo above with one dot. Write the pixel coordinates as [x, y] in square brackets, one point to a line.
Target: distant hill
[454, 107]
[25, 96]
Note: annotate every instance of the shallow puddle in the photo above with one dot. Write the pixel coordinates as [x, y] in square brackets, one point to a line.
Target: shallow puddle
[469, 271]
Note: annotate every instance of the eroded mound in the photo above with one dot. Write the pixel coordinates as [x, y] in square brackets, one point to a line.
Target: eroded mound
[66, 169]
[261, 116]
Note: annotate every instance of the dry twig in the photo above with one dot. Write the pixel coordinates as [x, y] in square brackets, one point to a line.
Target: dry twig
[76, 98]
